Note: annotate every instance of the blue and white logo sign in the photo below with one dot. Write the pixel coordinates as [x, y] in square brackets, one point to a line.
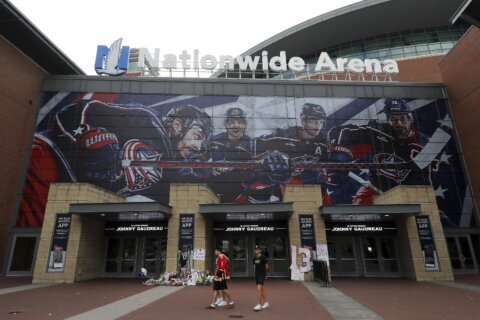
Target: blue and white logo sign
[112, 61]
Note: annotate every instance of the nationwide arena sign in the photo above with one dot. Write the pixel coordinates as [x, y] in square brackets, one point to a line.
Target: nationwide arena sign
[114, 60]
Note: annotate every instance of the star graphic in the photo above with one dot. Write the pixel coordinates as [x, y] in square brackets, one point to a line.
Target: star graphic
[444, 157]
[447, 122]
[78, 131]
[439, 192]
[364, 171]
[390, 159]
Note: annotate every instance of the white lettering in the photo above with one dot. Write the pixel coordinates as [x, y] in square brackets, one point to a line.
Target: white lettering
[247, 62]
[143, 55]
[279, 63]
[227, 62]
[184, 56]
[377, 66]
[325, 63]
[170, 61]
[296, 64]
[341, 64]
[356, 65]
[208, 62]
[390, 66]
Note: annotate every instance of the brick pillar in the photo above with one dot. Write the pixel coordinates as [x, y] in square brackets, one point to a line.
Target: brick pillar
[85, 248]
[408, 242]
[186, 198]
[306, 199]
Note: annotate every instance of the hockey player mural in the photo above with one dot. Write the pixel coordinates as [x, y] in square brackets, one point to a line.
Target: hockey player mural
[247, 148]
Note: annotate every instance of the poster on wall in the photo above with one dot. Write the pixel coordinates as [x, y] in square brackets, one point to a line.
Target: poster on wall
[307, 232]
[185, 240]
[427, 243]
[247, 149]
[58, 249]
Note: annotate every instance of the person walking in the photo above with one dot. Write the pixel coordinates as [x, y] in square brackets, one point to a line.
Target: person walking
[220, 282]
[260, 262]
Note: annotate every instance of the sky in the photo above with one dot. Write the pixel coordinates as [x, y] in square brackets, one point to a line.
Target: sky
[216, 27]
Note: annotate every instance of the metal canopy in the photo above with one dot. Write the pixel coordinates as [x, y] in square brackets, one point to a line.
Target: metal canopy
[129, 211]
[378, 212]
[247, 212]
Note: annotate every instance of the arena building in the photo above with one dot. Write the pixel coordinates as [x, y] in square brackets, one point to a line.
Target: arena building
[373, 172]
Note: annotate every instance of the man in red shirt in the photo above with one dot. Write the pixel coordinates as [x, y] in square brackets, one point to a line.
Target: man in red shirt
[220, 281]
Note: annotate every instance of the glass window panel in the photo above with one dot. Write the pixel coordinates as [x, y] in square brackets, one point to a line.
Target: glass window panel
[111, 266]
[447, 45]
[387, 246]
[129, 248]
[369, 248]
[349, 266]
[390, 266]
[434, 46]
[23, 252]
[113, 248]
[372, 266]
[128, 266]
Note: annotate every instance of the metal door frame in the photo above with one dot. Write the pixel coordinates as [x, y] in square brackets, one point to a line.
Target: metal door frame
[463, 269]
[382, 273]
[119, 259]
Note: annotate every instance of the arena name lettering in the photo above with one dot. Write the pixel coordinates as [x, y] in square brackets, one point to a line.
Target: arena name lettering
[252, 228]
[276, 63]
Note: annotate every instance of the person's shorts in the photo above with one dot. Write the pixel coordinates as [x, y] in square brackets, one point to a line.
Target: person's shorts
[260, 280]
[220, 285]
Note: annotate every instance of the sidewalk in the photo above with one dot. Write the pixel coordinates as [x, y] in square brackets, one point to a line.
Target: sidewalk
[350, 298]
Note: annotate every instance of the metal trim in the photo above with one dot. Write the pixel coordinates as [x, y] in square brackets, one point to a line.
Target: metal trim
[79, 208]
[391, 209]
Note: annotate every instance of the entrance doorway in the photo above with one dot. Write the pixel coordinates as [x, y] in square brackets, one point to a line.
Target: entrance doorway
[127, 255]
[363, 256]
[239, 239]
[462, 255]
[21, 259]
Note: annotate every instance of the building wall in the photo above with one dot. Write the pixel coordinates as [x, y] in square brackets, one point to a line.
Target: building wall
[461, 74]
[186, 198]
[410, 252]
[85, 249]
[20, 87]
[306, 200]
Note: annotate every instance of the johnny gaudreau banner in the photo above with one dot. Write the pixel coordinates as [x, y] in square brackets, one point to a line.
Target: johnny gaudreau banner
[248, 149]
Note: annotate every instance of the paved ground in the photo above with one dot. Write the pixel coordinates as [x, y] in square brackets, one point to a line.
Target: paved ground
[350, 298]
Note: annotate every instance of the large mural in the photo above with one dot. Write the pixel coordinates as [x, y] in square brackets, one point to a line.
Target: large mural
[246, 148]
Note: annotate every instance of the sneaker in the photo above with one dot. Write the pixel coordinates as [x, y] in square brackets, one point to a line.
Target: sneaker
[222, 303]
[219, 300]
[212, 306]
[258, 308]
[265, 305]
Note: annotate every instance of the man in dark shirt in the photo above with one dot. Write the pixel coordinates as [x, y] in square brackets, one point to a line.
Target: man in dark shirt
[261, 267]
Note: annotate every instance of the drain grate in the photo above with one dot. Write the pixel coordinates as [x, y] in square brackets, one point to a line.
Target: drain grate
[236, 316]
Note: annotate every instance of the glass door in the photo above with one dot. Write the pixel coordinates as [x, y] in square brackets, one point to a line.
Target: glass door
[342, 256]
[154, 251]
[235, 248]
[276, 250]
[121, 256]
[461, 254]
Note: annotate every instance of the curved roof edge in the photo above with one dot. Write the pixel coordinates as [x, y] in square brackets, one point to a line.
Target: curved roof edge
[357, 21]
[23, 34]
[313, 21]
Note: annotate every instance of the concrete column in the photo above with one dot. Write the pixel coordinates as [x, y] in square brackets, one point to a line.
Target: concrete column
[186, 198]
[408, 241]
[85, 247]
[306, 199]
